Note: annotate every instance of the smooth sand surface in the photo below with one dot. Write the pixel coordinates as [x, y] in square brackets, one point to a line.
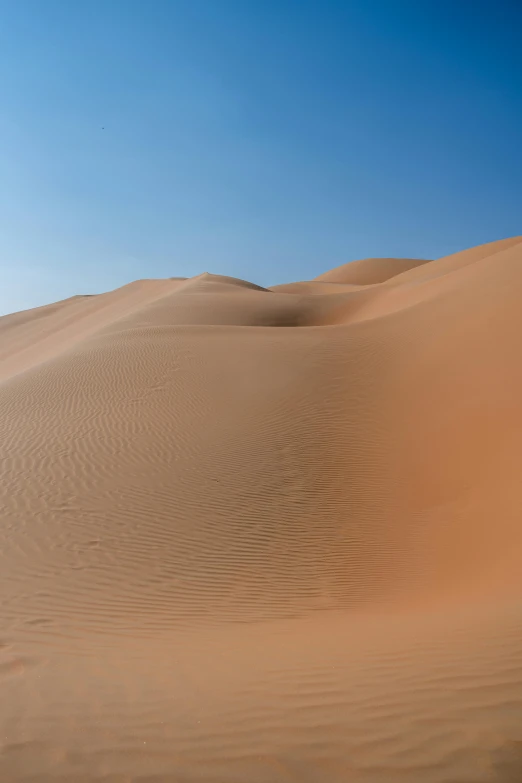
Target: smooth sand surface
[264, 535]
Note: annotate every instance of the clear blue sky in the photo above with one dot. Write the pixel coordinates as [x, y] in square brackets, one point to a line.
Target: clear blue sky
[266, 139]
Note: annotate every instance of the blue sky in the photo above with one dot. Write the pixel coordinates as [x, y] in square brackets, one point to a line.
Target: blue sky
[266, 139]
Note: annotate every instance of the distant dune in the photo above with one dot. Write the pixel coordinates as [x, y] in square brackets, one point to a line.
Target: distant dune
[369, 271]
[266, 535]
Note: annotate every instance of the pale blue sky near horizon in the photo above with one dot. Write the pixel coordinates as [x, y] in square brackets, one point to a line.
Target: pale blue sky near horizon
[266, 139]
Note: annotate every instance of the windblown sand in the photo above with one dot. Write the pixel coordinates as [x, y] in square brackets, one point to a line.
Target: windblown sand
[257, 535]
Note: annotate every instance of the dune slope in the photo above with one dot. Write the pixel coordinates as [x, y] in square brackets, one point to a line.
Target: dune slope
[266, 534]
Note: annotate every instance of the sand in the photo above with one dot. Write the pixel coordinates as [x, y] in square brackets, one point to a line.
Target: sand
[262, 535]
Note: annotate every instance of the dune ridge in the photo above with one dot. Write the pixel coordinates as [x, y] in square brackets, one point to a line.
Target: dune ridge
[266, 534]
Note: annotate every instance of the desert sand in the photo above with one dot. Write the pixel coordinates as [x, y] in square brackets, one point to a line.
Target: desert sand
[256, 535]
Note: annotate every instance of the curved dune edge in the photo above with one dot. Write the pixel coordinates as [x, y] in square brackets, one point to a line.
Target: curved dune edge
[369, 271]
[235, 550]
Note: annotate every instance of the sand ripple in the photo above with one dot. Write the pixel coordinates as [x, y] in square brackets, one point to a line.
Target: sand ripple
[266, 534]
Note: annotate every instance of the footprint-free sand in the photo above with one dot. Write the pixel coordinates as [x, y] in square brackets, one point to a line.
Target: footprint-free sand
[255, 535]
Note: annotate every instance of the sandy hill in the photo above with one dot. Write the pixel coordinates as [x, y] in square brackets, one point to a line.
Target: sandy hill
[369, 271]
[266, 534]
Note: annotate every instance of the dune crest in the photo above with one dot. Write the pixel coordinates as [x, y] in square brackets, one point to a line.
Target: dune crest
[266, 534]
[369, 271]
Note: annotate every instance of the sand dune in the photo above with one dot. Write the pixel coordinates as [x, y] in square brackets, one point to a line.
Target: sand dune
[268, 535]
[369, 271]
